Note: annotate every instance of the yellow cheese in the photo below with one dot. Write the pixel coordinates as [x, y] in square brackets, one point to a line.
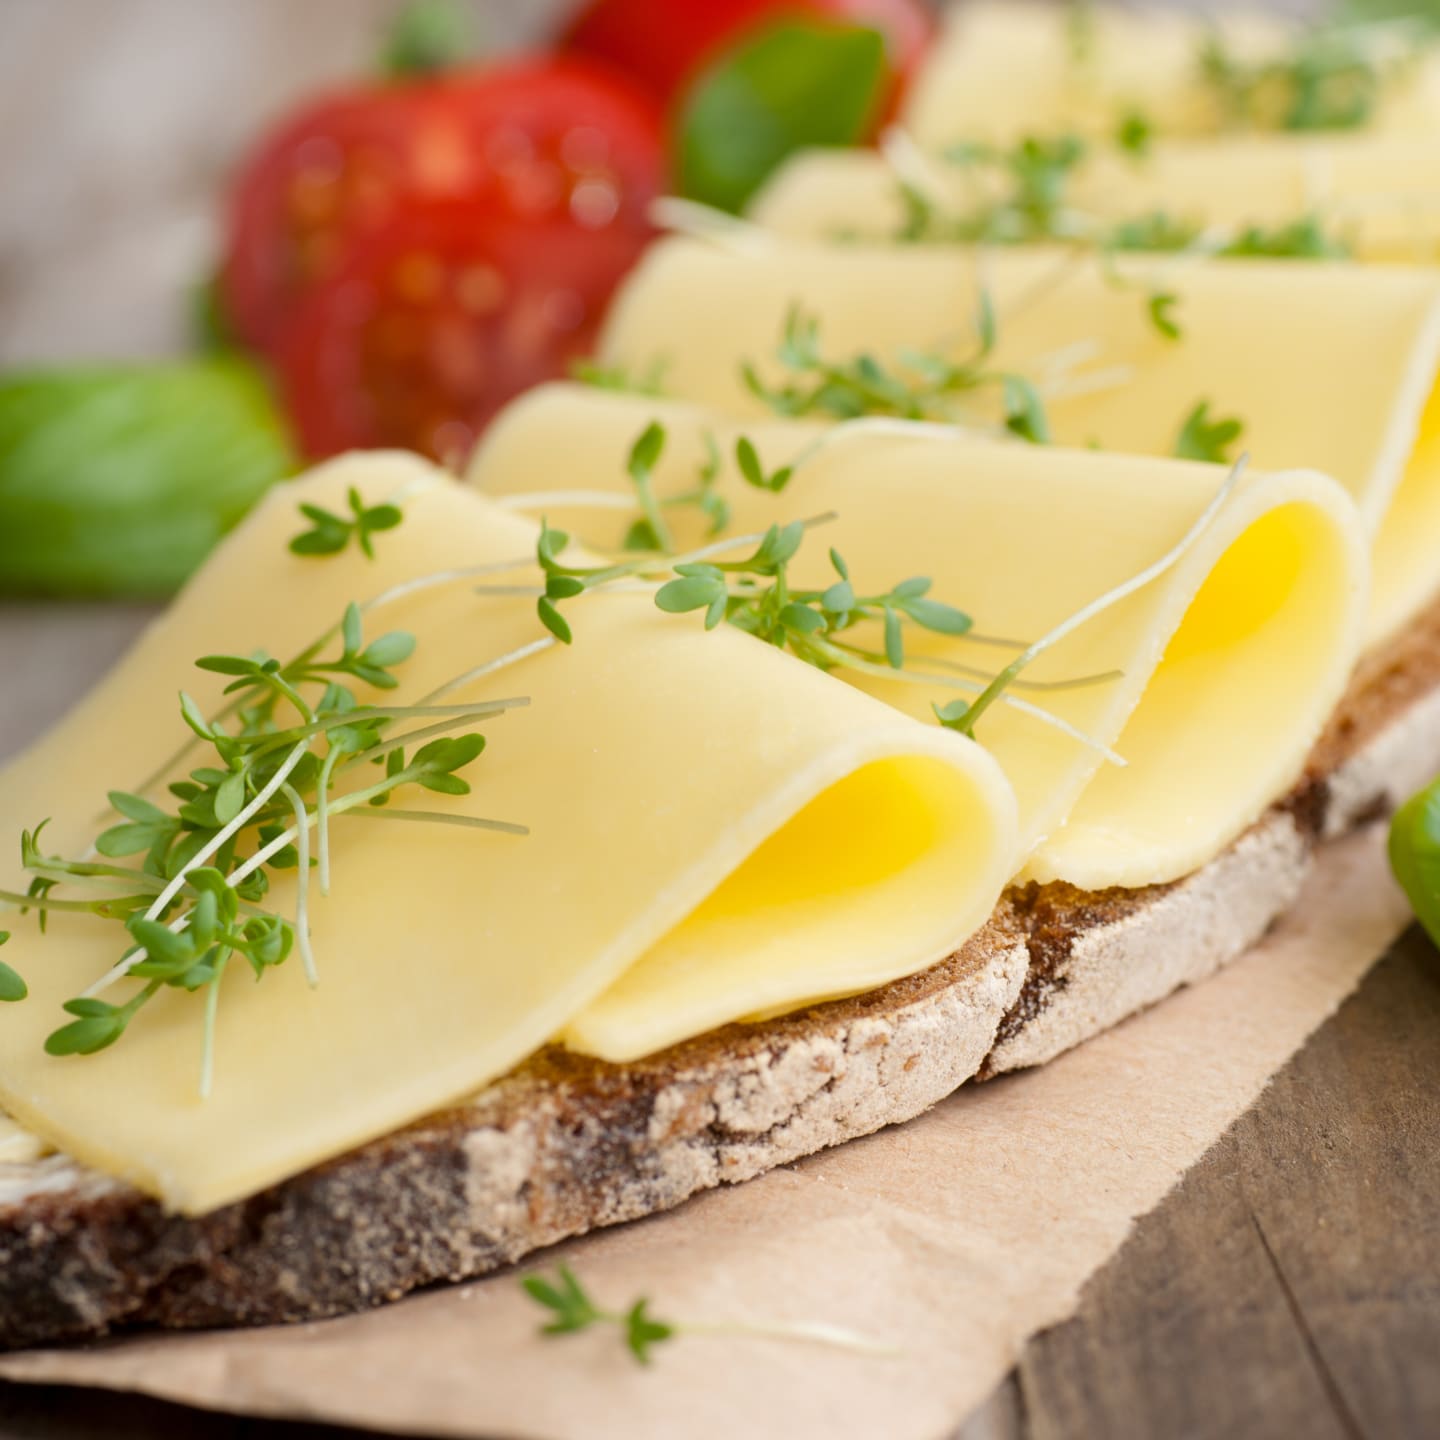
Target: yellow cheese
[1328, 366]
[659, 770]
[1380, 194]
[16, 1145]
[1006, 68]
[1230, 662]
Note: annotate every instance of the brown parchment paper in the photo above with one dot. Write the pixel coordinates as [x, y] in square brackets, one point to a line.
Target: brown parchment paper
[954, 1237]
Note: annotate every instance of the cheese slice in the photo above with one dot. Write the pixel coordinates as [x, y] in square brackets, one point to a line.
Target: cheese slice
[17, 1146]
[1002, 69]
[1332, 366]
[1229, 663]
[1379, 194]
[685, 793]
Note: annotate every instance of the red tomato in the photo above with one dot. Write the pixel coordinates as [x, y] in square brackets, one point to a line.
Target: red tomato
[436, 320]
[665, 43]
[551, 141]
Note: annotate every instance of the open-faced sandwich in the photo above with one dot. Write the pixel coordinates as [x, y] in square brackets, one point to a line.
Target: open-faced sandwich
[947, 628]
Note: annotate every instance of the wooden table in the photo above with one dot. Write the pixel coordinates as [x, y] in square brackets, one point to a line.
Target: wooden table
[1289, 1287]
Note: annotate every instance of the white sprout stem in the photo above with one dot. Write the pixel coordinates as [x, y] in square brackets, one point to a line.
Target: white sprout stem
[1073, 682]
[233, 828]
[501, 662]
[715, 227]
[322, 817]
[351, 803]
[911, 166]
[303, 821]
[207, 1053]
[1167, 561]
[438, 817]
[816, 1333]
[1136, 582]
[572, 499]
[438, 577]
[1067, 386]
[1024, 707]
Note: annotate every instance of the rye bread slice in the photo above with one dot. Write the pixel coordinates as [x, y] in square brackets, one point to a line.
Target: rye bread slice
[566, 1144]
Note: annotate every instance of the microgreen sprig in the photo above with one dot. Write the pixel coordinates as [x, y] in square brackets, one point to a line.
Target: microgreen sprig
[1202, 438]
[574, 1311]
[916, 386]
[1331, 79]
[195, 901]
[330, 533]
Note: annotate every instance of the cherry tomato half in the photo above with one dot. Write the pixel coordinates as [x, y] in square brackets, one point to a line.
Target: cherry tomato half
[664, 45]
[552, 141]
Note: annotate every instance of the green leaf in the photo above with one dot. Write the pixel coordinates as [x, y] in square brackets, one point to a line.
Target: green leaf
[228, 665]
[894, 640]
[191, 713]
[748, 461]
[801, 618]
[646, 451]
[1161, 306]
[162, 943]
[1025, 411]
[936, 615]
[642, 1332]
[1135, 132]
[689, 592]
[553, 620]
[121, 840]
[12, 988]
[86, 1037]
[133, 807]
[390, 649]
[352, 633]
[1201, 438]
[794, 84]
[118, 480]
[230, 798]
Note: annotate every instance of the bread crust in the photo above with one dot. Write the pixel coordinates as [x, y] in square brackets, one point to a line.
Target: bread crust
[566, 1144]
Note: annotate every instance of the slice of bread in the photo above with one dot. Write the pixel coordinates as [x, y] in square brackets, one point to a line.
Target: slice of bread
[566, 1144]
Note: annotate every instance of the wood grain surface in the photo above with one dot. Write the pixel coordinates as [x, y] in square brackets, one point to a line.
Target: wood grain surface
[1290, 1286]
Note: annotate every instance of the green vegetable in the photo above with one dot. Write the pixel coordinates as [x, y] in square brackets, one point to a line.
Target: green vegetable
[797, 84]
[1415, 855]
[118, 481]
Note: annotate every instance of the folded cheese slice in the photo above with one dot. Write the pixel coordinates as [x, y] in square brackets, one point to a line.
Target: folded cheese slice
[1328, 365]
[778, 835]
[1378, 194]
[1228, 663]
[1006, 68]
